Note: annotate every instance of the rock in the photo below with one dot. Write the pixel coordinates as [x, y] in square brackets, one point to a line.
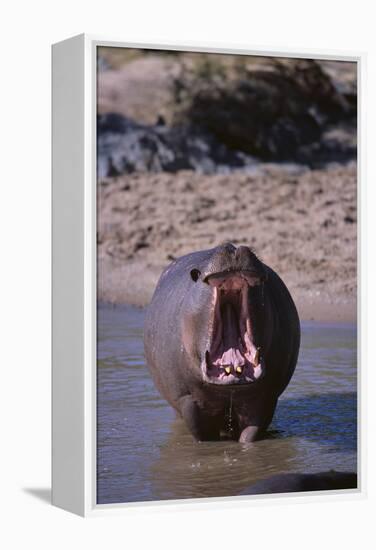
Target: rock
[273, 112]
[125, 147]
[102, 64]
[284, 111]
[293, 483]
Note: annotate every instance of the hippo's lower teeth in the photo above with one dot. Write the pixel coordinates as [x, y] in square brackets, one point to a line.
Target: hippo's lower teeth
[257, 371]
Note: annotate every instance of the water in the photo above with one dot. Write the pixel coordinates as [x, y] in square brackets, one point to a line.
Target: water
[145, 452]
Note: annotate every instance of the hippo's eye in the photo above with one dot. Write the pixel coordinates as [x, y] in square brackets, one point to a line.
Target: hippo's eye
[195, 274]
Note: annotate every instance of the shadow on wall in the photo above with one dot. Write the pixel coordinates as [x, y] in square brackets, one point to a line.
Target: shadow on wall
[44, 494]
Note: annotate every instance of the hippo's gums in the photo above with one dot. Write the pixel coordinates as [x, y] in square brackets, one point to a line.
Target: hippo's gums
[222, 339]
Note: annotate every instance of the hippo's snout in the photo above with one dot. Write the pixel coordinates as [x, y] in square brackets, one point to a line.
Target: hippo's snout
[233, 355]
[229, 259]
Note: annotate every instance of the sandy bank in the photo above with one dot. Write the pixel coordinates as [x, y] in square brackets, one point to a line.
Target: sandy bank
[301, 223]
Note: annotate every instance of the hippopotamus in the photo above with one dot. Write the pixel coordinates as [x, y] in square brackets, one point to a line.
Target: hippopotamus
[222, 337]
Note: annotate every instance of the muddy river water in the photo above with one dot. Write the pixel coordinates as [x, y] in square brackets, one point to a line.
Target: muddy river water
[145, 453]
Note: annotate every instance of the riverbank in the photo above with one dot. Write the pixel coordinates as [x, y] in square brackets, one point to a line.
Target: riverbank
[321, 308]
[301, 222]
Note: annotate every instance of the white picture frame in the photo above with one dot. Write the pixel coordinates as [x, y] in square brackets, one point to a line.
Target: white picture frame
[74, 275]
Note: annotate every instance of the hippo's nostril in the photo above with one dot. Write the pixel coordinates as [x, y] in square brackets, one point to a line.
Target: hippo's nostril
[229, 247]
[195, 274]
[243, 254]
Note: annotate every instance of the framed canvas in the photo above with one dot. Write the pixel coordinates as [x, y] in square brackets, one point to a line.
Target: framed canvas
[206, 292]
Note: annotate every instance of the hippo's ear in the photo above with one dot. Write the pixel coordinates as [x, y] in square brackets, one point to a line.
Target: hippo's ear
[195, 274]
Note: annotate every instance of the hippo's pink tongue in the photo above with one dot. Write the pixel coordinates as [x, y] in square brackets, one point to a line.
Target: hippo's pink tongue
[232, 356]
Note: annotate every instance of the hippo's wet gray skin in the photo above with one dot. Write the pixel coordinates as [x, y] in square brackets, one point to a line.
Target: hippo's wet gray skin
[222, 338]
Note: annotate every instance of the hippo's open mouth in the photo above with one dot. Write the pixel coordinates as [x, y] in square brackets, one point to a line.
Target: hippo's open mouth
[233, 356]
